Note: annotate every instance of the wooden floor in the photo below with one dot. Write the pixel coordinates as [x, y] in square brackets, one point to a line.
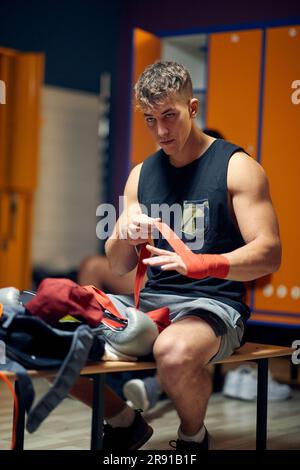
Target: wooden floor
[231, 422]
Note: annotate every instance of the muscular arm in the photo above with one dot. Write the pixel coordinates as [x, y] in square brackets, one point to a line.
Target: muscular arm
[122, 256]
[256, 218]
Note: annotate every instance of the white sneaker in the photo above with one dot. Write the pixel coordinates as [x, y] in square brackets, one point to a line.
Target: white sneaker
[134, 391]
[248, 388]
[277, 391]
[143, 393]
[233, 379]
[242, 383]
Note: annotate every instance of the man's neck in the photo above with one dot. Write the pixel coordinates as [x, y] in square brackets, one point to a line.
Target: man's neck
[194, 148]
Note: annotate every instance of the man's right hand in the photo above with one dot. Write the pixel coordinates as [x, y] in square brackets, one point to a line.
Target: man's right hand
[138, 229]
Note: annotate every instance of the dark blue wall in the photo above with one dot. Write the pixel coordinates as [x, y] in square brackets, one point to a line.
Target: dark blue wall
[80, 38]
[159, 15]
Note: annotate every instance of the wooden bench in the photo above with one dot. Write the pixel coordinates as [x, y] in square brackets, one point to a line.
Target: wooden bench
[259, 353]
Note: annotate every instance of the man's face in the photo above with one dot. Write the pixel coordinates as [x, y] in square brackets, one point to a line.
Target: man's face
[170, 123]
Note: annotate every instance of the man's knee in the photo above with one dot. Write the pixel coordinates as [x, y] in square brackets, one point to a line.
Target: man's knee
[176, 355]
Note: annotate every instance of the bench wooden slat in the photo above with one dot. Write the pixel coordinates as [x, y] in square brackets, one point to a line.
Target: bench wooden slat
[248, 352]
[253, 351]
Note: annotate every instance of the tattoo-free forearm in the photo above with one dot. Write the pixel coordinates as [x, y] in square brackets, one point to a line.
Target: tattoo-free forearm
[256, 259]
[122, 256]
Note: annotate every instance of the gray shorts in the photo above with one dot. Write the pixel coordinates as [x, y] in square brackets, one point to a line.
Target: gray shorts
[224, 320]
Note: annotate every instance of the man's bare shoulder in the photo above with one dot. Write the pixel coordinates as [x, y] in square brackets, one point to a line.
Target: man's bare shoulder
[137, 168]
[132, 181]
[135, 171]
[245, 174]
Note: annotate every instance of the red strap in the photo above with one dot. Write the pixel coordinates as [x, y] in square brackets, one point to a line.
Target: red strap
[174, 241]
[198, 265]
[103, 300]
[140, 274]
[161, 317]
[106, 304]
[192, 260]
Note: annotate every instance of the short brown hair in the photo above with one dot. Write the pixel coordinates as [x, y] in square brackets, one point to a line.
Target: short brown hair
[160, 81]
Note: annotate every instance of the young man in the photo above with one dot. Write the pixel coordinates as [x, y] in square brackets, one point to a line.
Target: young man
[218, 184]
[215, 180]
[145, 392]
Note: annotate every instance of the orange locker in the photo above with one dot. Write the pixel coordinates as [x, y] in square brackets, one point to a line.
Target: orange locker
[19, 142]
[20, 119]
[146, 50]
[27, 81]
[280, 157]
[15, 239]
[6, 71]
[234, 71]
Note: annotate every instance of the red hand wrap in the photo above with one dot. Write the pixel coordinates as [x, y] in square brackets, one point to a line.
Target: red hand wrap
[198, 266]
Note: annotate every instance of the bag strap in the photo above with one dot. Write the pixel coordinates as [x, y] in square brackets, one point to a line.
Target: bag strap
[65, 379]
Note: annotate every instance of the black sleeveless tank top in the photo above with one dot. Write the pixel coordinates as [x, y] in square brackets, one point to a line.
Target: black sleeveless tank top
[199, 190]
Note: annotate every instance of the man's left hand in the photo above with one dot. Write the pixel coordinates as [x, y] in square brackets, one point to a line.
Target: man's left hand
[167, 260]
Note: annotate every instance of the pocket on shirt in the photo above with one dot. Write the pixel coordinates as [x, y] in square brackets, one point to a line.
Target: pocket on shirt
[195, 223]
